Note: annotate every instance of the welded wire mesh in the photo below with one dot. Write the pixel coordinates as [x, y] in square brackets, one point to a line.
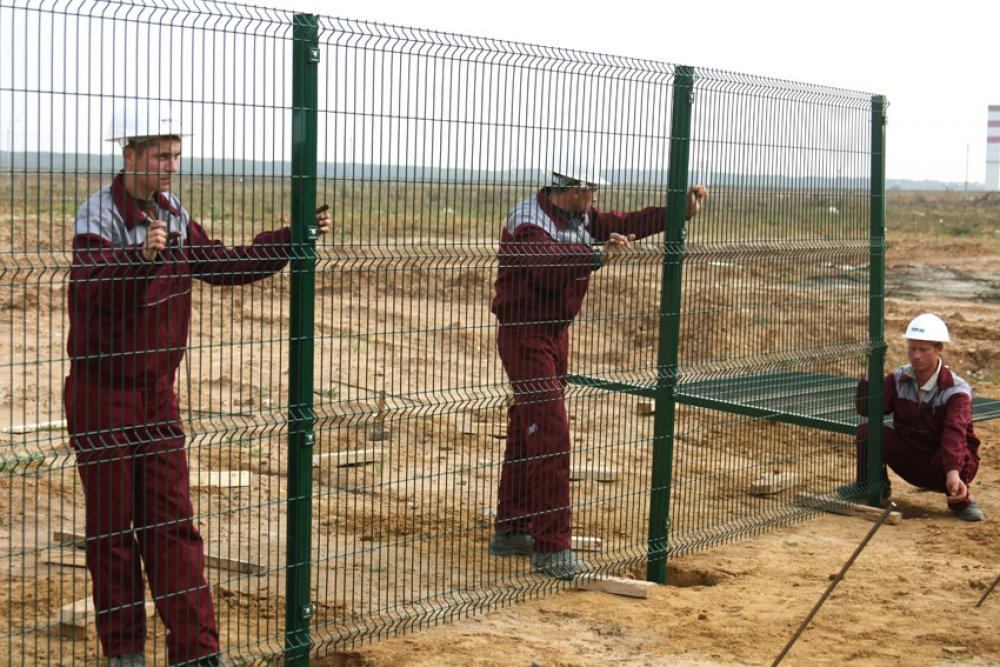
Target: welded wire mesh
[460, 379]
[80, 301]
[431, 141]
[774, 332]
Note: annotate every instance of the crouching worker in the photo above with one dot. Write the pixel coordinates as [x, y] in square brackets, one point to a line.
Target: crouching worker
[135, 253]
[931, 443]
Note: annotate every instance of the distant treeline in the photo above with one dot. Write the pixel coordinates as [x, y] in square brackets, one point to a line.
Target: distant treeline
[33, 162]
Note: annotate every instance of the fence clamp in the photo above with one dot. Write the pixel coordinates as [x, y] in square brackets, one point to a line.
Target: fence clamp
[307, 611]
[312, 233]
[308, 439]
[313, 56]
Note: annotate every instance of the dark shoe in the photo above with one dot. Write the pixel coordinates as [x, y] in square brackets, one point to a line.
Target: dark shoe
[972, 512]
[510, 543]
[127, 660]
[563, 564]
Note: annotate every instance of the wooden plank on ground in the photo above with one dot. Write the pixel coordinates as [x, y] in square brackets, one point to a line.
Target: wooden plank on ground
[68, 538]
[632, 588]
[354, 457]
[81, 614]
[773, 482]
[221, 479]
[62, 558]
[600, 474]
[40, 426]
[582, 543]
[838, 506]
[234, 565]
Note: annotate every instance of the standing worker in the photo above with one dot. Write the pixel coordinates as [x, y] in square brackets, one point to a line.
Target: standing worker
[547, 255]
[931, 443]
[135, 252]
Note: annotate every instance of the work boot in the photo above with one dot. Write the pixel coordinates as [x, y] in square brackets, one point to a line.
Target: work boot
[127, 660]
[971, 512]
[563, 564]
[510, 543]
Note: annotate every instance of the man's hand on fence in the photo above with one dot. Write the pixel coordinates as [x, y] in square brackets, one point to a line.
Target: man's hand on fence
[323, 219]
[616, 246]
[696, 195]
[156, 239]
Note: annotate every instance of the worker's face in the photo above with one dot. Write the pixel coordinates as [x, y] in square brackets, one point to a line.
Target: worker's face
[923, 355]
[153, 163]
[580, 199]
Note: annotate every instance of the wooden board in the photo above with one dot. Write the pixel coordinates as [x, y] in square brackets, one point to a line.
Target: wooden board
[221, 479]
[582, 543]
[234, 565]
[75, 558]
[81, 614]
[837, 506]
[69, 538]
[600, 474]
[646, 407]
[218, 562]
[773, 482]
[632, 588]
[56, 425]
[354, 457]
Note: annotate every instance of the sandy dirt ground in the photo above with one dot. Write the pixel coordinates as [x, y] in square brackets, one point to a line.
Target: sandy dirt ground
[386, 535]
[909, 598]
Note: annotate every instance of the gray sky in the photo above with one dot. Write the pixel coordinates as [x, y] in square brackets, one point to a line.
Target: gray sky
[936, 62]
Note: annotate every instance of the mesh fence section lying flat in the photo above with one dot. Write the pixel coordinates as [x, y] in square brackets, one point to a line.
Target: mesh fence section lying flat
[315, 331]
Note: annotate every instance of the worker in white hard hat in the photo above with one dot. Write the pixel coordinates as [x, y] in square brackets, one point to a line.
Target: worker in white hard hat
[548, 251]
[135, 252]
[931, 443]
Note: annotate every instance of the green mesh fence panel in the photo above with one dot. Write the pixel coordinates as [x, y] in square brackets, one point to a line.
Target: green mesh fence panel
[279, 442]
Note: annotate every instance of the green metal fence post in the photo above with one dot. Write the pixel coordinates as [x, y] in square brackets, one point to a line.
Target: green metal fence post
[670, 323]
[876, 302]
[298, 611]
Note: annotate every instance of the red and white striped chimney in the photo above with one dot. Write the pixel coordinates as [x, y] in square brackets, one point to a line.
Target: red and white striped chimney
[993, 148]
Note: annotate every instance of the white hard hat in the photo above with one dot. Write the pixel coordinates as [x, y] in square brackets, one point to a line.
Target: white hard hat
[576, 173]
[927, 327]
[139, 119]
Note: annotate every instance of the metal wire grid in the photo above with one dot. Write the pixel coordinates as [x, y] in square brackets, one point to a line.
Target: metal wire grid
[434, 138]
[776, 293]
[426, 141]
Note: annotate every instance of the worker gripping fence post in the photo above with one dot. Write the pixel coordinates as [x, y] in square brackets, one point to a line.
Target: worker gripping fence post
[136, 250]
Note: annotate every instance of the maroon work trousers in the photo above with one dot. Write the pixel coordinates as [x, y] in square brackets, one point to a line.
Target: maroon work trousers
[534, 482]
[130, 455]
[914, 464]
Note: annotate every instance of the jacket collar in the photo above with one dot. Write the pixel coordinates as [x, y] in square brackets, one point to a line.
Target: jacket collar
[129, 210]
[945, 377]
